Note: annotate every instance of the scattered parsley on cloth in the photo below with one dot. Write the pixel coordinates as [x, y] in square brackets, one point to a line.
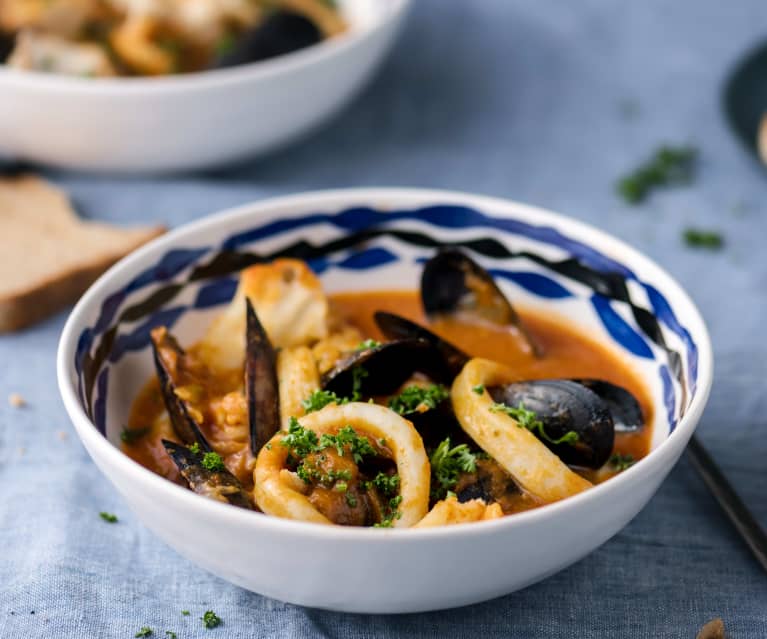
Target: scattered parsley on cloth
[668, 166]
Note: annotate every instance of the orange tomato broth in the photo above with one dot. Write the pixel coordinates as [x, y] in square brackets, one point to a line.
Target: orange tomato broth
[568, 354]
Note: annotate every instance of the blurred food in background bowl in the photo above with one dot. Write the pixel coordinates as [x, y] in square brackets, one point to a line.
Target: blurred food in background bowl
[226, 83]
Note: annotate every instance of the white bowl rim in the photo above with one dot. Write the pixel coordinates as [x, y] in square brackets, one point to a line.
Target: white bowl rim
[200, 80]
[399, 196]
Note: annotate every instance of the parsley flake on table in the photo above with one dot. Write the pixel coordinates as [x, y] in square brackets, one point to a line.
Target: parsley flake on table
[418, 398]
[146, 631]
[529, 419]
[210, 619]
[186, 613]
[669, 165]
[108, 517]
[170, 634]
[699, 238]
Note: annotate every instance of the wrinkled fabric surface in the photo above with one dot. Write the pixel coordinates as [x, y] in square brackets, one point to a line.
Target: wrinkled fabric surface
[543, 102]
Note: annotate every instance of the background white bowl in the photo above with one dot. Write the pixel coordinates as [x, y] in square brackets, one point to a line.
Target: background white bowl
[196, 120]
[377, 238]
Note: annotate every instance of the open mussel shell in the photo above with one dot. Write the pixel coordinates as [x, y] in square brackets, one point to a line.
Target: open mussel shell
[280, 33]
[395, 327]
[563, 406]
[165, 348]
[623, 406]
[452, 284]
[382, 369]
[261, 387]
[215, 484]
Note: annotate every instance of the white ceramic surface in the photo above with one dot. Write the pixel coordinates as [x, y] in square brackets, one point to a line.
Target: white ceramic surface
[374, 570]
[196, 120]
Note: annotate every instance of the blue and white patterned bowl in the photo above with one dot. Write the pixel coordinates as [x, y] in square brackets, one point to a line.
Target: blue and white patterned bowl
[378, 238]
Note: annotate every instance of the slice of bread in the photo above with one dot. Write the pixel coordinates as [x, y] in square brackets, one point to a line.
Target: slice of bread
[48, 256]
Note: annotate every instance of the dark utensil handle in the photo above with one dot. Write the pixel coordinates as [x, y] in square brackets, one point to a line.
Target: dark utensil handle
[737, 512]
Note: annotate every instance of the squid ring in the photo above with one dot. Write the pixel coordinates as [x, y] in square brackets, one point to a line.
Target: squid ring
[533, 466]
[277, 491]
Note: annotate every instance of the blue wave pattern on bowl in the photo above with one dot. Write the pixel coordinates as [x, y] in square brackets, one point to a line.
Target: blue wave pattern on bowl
[212, 270]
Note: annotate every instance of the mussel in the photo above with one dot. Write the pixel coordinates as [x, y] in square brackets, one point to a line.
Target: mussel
[382, 368]
[170, 364]
[452, 284]
[280, 33]
[178, 378]
[261, 390]
[451, 358]
[215, 483]
[563, 406]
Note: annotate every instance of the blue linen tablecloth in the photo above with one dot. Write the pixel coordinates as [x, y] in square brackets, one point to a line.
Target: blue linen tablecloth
[542, 102]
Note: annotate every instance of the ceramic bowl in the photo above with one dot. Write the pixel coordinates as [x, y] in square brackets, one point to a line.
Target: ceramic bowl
[196, 120]
[378, 238]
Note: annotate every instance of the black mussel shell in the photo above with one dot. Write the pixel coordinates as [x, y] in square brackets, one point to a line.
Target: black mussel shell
[623, 406]
[7, 42]
[454, 284]
[563, 406]
[280, 33]
[184, 425]
[209, 483]
[382, 369]
[490, 483]
[395, 327]
[261, 389]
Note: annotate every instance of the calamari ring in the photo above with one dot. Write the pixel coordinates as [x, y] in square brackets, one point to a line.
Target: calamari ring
[297, 378]
[277, 494]
[533, 466]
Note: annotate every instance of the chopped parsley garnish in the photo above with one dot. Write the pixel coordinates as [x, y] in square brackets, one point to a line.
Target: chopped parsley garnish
[351, 500]
[368, 343]
[669, 165]
[210, 619]
[300, 440]
[447, 464]
[479, 389]
[341, 487]
[195, 448]
[621, 462]
[699, 238]
[303, 441]
[387, 484]
[529, 419]
[132, 435]
[108, 517]
[413, 397]
[321, 398]
[146, 631]
[358, 374]
[213, 462]
[186, 613]
[358, 445]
